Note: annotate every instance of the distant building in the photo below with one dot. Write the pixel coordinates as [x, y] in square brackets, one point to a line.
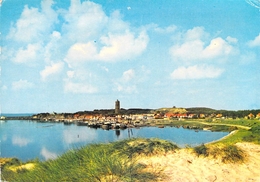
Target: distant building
[117, 107]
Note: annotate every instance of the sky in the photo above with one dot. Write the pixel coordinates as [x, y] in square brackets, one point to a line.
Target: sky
[69, 56]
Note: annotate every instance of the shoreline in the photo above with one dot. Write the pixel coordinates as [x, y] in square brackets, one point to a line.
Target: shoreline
[230, 134]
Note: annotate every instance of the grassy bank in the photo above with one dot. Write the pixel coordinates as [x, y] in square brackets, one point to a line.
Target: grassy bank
[248, 130]
[101, 162]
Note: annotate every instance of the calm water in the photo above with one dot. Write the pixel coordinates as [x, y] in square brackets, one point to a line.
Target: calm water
[28, 140]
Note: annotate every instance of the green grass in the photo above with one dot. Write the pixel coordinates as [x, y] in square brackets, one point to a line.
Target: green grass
[99, 162]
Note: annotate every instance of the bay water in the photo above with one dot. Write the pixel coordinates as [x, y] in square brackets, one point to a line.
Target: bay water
[28, 140]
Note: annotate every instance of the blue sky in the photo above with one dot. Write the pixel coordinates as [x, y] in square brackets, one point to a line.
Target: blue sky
[68, 56]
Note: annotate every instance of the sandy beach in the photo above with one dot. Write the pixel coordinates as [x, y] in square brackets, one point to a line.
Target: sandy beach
[183, 165]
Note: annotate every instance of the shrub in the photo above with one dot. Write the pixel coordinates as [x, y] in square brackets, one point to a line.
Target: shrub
[134, 147]
[201, 150]
[232, 154]
[256, 129]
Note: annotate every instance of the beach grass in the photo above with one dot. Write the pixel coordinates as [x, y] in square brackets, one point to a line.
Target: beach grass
[97, 162]
[226, 153]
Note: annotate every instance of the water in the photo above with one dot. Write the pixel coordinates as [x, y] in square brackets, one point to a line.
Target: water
[29, 140]
[16, 115]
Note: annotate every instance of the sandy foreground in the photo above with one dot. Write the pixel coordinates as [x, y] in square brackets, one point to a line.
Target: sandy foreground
[183, 165]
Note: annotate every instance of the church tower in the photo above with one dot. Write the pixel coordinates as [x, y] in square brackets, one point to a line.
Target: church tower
[117, 107]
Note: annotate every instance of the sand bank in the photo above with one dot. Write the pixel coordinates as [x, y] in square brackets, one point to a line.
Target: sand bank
[183, 165]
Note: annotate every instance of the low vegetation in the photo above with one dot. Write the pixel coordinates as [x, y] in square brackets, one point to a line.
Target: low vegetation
[226, 153]
[97, 162]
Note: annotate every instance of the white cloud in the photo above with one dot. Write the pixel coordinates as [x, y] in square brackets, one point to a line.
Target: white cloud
[113, 48]
[231, 40]
[84, 21]
[52, 70]
[105, 68]
[187, 51]
[196, 72]
[128, 75]
[81, 88]
[217, 48]
[83, 33]
[70, 74]
[168, 29]
[127, 83]
[27, 55]
[197, 33]
[193, 47]
[34, 24]
[126, 88]
[52, 48]
[98, 37]
[255, 42]
[21, 84]
[123, 46]
[81, 52]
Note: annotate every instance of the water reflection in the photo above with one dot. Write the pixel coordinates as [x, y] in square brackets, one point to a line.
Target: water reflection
[117, 133]
[47, 154]
[20, 141]
[4, 138]
[28, 140]
[80, 135]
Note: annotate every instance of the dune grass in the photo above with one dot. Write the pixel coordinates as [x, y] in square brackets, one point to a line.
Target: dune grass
[97, 162]
[226, 153]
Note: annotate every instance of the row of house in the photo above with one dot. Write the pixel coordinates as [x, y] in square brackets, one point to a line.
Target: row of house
[131, 117]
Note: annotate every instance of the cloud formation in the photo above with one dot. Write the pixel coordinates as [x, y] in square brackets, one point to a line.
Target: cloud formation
[196, 46]
[126, 83]
[113, 47]
[128, 75]
[255, 42]
[86, 35]
[34, 24]
[52, 70]
[28, 54]
[22, 85]
[81, 88]
[196, 72]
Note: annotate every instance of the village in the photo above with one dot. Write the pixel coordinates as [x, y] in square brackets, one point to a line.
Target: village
[124, 118]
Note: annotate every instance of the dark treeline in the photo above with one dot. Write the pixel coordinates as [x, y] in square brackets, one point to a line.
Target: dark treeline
[122, 111]
[225, 113]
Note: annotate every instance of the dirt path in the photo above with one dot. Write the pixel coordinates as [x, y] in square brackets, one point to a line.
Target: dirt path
[223, 124]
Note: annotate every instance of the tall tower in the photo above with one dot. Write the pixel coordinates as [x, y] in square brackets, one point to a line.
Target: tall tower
[117, 107]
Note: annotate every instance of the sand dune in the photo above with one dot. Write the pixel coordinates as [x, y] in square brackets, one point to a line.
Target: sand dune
[184, 165]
